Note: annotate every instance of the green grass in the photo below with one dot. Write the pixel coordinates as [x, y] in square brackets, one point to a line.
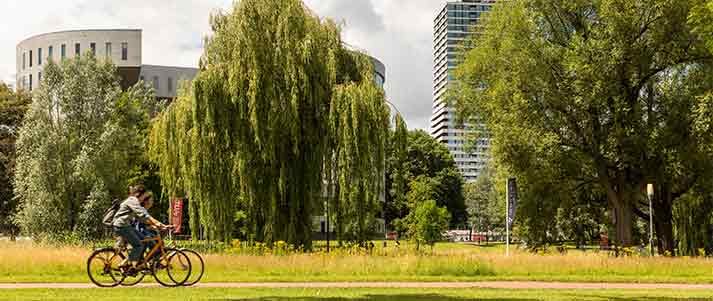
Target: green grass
[23, 262]
[346, 294]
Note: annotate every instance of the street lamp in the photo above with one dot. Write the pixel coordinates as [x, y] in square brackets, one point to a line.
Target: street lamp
[383, 207]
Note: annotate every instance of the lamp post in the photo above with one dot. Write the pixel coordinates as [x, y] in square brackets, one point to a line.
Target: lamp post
[383, 207]
[650, 194]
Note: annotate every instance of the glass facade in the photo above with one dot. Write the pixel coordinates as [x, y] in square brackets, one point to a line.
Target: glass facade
[457, 20]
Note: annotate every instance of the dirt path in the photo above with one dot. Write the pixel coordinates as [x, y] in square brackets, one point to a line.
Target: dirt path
[486, 284]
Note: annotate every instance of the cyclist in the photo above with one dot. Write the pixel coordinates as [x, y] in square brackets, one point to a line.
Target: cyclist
[134, 207]
[146, 231]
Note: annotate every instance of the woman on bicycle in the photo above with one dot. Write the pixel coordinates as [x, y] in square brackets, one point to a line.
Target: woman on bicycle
[134, 207]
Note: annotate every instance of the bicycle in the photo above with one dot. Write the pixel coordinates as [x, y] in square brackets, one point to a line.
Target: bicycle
[197, 265]
[104, 270]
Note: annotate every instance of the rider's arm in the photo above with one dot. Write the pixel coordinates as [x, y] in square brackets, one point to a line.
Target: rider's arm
[153, 222]
[143, 214]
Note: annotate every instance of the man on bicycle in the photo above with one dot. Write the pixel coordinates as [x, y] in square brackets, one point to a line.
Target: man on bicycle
[134, 208]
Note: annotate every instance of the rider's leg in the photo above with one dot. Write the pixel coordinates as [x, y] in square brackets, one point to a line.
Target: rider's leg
[134, 238]
[146, 233]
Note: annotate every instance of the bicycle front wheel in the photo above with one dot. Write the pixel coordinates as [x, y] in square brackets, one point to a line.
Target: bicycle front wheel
[197, 266]
[172, 269]
[103, 268]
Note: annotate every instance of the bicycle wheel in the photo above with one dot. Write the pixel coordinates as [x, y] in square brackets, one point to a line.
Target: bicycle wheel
[103, 268]
[197, 267]
[173, 269]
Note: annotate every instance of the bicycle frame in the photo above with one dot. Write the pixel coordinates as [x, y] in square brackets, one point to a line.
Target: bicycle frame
[159, 247]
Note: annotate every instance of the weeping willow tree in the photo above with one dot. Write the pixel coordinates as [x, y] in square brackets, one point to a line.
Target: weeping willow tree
[276, 100]
[359, 128]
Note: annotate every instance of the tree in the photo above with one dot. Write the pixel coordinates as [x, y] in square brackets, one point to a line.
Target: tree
[77, 146]
[397, 177]
[426, 223]
[12, 110]
[603, 92]
[279, 111]
[486, 206]
[427, 157]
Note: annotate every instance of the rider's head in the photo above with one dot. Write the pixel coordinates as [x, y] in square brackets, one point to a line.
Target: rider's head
[137, 190]
[148, 200]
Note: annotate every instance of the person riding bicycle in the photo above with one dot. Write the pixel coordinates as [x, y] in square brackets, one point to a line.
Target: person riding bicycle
[134, 207]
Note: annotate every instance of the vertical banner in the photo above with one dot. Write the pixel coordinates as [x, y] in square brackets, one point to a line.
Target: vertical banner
[512, 201]
[177, 214]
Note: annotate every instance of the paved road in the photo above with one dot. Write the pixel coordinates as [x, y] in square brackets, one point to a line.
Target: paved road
[485, 284]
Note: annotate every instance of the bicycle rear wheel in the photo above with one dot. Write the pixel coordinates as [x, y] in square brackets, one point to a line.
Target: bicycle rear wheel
[103, 268]
[173, 269]
[197, 267]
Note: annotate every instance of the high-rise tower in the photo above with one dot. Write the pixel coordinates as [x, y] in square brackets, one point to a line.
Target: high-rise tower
[454, 24]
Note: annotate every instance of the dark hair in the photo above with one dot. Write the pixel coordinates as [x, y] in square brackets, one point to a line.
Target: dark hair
[137, 190]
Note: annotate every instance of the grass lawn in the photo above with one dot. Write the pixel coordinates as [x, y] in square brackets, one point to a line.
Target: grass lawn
[346, 294]
[25, 262]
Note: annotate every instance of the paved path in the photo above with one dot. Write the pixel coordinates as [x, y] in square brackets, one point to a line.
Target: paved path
[485, 284]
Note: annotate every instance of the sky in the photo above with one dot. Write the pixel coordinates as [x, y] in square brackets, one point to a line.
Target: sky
[397, 32]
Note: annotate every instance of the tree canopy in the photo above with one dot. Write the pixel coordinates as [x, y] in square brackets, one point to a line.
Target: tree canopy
[598, 95]
[280, 116]
[430, 160]
[13, 107]
[78, 145]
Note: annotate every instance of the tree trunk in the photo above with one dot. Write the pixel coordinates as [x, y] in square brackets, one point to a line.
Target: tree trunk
[621, 196]
[623, 223]
[663, 222]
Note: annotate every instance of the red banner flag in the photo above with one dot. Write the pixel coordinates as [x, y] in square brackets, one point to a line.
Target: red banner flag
[177, 214]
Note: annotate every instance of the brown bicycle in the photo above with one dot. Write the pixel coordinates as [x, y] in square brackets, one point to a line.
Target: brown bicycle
[170, 267]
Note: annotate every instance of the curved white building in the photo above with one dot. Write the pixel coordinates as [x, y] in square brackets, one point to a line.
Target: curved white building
[121, 46]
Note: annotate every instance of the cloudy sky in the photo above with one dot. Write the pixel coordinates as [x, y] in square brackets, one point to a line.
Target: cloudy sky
[398, 32]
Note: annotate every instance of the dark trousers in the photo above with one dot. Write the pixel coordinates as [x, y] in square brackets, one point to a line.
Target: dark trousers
[134, 238]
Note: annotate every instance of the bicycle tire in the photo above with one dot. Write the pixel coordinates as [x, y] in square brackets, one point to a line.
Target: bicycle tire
[168, 265]
[198, 266]
[107, 269]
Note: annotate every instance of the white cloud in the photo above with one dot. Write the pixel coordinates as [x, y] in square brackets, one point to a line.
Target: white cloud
[397, 32]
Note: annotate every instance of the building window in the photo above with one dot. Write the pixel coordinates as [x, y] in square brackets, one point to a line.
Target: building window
[124, 51]
[30, 82]
[39, 56]
[93, 46]
[50, 51]
[39, 78]
[77, 49]
[30, 58]
[63, 51]
[155, 83]
[23, 61]
[170, 84]
[108, 50]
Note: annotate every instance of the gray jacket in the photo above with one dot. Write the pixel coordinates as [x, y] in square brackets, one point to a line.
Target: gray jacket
[129, 210]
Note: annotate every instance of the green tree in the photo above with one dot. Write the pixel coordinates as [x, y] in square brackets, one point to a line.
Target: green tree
[279, 111]
[485, 203]
[602, 92]
[13, 107]
[427, 157]
[397, 176]
[426, 223]
[77, 146]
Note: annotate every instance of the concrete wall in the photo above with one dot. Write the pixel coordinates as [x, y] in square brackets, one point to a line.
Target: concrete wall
[159, 77]
[69, 38]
